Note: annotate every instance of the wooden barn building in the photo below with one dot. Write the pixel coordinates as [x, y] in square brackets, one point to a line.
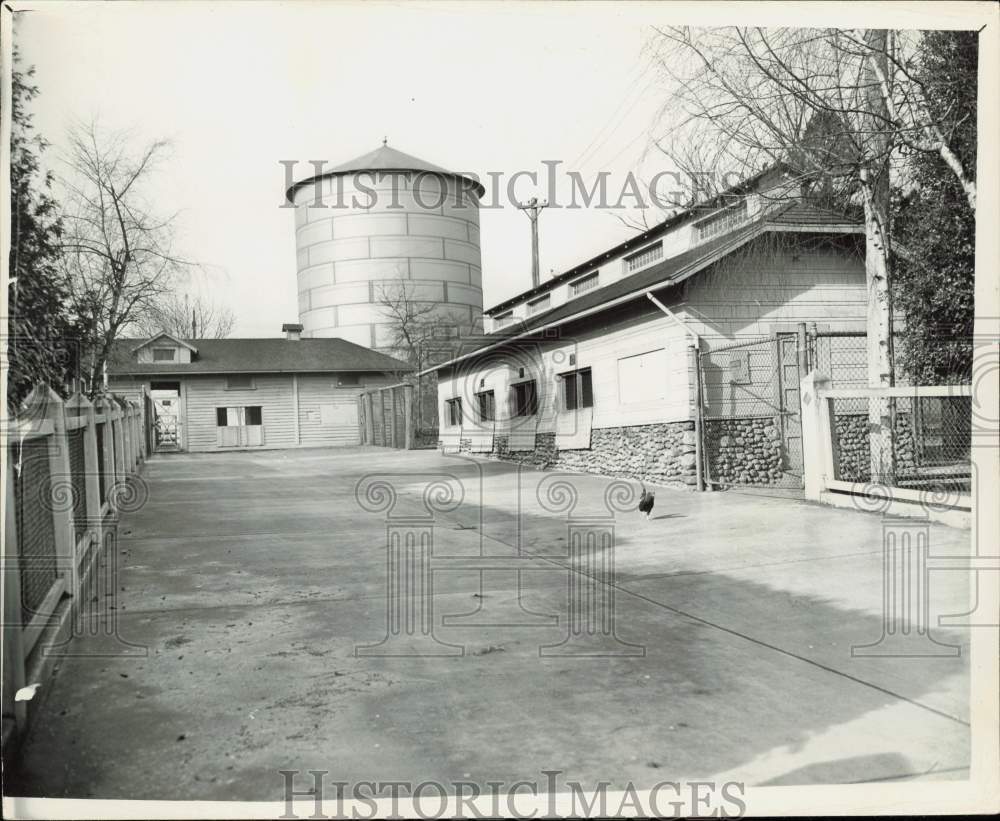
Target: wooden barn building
[230, 394]
[670, 355]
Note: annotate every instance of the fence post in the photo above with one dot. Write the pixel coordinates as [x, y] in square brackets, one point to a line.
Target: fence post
[802, 349]
[817, 440]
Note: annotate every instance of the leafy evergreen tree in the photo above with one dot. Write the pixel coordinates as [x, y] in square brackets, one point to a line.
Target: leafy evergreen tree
[935, 225]
[41, 335]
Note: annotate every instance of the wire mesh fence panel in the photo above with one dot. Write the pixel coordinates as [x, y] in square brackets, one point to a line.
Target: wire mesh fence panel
[917, 443]
[78, 477]
[751, 431]
[36, 541]
[102, 468]
[842, 357]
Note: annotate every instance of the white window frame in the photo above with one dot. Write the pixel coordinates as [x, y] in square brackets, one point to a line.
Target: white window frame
[171, 351]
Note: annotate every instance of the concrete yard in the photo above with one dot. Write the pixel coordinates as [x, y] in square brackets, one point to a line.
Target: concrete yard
[247, 581]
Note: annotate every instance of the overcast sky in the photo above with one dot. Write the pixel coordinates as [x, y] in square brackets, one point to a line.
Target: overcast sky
[469, 86]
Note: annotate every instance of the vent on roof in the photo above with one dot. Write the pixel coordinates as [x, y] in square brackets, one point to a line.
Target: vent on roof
[292, 330]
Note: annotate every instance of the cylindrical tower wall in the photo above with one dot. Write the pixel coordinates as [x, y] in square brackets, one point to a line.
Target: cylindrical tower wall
[385, 235]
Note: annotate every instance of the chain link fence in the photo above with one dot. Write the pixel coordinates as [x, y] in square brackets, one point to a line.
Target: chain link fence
[751, 430]
[918, 443]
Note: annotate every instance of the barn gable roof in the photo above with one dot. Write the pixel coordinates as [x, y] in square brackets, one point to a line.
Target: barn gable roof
[271, 355]
[795, 217]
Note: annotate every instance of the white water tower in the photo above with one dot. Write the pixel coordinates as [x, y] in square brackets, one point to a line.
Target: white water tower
[389, 226]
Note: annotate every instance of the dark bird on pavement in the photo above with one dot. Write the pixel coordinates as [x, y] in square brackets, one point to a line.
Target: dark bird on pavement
[646, 501]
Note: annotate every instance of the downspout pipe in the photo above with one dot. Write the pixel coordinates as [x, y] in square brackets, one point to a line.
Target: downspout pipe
[694, 347]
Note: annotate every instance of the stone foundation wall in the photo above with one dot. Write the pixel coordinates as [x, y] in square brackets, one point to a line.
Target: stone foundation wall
[662, 454]
[744, 451]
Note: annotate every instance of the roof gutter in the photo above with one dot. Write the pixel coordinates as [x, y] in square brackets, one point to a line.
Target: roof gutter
[694, 337]
[508, 339]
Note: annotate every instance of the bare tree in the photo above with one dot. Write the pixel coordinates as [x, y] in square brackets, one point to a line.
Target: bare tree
[118, 252]
[187, 317]
[421, 332]
[840, 107]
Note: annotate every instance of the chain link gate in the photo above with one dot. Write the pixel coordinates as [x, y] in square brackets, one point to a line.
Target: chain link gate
[751, 423]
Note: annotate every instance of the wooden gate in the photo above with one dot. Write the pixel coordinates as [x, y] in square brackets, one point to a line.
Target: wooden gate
[386, 417]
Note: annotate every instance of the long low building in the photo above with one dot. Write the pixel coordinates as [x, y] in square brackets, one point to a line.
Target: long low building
[230, 394]
[606, 368]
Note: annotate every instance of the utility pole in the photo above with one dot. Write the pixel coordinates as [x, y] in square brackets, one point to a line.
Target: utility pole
[533, 208]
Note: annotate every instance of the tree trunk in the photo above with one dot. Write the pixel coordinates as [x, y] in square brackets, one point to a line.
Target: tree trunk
[878, 267]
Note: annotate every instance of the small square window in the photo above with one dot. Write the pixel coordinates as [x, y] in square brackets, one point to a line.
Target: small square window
[239, 382]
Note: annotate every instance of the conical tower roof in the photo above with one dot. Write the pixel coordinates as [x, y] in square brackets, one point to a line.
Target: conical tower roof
[384, 158]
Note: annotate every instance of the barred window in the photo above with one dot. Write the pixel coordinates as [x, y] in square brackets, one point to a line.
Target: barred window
[584, 284]
[504, 319]
[722, 221]
[633, 262]
[536, 306]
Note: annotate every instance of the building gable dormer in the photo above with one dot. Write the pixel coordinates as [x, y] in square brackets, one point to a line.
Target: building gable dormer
[164, 349]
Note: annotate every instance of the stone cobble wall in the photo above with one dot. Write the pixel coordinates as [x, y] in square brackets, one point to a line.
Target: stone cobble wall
[854, 447]
[662, 454]
[744, 451]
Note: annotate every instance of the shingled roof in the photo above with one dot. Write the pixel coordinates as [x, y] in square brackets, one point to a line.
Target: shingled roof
[795, 216]
[272, 355]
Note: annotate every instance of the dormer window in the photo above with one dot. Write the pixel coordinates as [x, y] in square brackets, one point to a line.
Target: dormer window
[722, 221]
[164, 354]
[633, 262]
[583, 284]
[536, 306]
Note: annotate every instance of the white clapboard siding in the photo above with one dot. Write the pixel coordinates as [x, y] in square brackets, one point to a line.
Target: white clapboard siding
[669, 398]
[772, 291]
[328, 415]
[203, 394]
